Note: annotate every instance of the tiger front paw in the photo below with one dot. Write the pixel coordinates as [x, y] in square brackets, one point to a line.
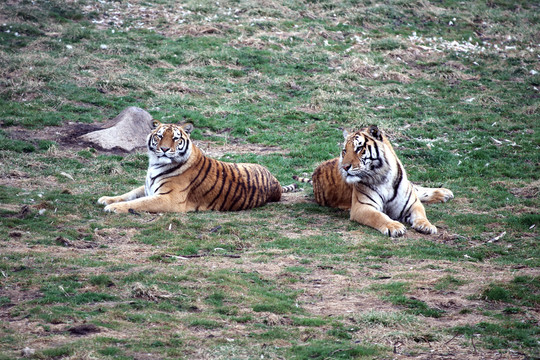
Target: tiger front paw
[424, 226]
[106, 200]
[116, 208]
[393, 229]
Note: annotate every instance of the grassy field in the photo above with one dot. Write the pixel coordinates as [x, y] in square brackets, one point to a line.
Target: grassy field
[454, 84]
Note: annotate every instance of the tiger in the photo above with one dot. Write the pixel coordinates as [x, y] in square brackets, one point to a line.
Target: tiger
[180, 178]
[369, 180]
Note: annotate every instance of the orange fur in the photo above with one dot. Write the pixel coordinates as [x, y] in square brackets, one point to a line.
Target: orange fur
[181, 178]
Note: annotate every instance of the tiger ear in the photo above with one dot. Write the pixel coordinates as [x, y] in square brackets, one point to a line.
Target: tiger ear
[155, 123]
[374, 131]
[188, 128]
[345, 134]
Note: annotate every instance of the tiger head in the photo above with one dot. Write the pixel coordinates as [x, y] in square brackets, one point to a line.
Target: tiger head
[363, 156]
[169, 143]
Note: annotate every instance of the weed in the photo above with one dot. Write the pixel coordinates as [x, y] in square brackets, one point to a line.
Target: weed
[337, 350]
[522, 290]
[449, 282]
[504, 335]
[386, 319]
[414, 306]
[101, 280]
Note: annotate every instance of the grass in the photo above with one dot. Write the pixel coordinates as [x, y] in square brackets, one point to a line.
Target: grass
[453, 84]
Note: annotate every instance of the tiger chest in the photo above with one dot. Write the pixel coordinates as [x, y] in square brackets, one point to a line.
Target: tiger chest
[158, 177]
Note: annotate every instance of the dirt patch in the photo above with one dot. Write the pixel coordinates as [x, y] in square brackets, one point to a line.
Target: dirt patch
[295, 197]
[28, 183]
[217, 151]
[529, 191]
[67, 136]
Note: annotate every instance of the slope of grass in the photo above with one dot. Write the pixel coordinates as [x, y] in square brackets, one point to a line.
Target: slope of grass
[455, 86]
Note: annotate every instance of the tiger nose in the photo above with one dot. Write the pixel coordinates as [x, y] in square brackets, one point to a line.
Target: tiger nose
[346, 167]
[164, 148]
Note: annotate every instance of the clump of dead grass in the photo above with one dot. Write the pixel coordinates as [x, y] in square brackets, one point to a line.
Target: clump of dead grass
[369, 70]
[152, 293]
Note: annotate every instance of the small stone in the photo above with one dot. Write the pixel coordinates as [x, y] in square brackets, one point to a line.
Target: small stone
[27, 352]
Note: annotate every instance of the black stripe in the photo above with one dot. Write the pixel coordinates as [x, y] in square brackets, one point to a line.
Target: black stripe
[239, 185]
[377, 164]
[216, 180]
[247, 189]
[183, 150]
[405, 206]
[260, 186]
[408, 209]
[330, 179]
[265, 180]
[230, 181]
[376, 150]
[160, 185]
[167, 172]
[251, 191]
[324, 200]
[216, 198]
[254, 189]
[374, 190]
[369, 197]
[165, 193]
[236, 199]
[397, 182]
[368, 204]
[224, 178]
[198, 174]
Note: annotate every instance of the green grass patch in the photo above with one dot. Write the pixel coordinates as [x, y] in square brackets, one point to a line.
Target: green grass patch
[330, 349]
[507, 334]
[522, 290]
[414, 306]
[449, 282]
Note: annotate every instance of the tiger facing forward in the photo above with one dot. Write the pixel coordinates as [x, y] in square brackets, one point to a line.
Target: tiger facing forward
[181, 178]
[369, 179]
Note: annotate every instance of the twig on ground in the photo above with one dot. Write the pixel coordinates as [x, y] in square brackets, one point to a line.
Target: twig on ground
[448, 342]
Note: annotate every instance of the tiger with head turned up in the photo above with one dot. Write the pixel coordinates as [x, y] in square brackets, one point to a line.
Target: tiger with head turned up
[369, 179]
[181, 178]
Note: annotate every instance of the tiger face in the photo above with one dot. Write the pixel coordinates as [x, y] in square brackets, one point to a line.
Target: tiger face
[169, 143]
[362, 155]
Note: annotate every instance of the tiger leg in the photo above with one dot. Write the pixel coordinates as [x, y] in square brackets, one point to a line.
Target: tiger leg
[433, 195]
[370, 216]
[153, 203]
[419, 221]
[131, 195]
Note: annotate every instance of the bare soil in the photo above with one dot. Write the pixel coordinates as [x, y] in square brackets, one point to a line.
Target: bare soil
[67, 137]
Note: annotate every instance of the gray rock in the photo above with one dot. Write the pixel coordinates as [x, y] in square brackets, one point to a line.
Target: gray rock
[127, 131]
[28, 352]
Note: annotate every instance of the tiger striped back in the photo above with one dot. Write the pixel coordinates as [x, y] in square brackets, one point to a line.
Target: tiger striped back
[217, 185]
[181, 178]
